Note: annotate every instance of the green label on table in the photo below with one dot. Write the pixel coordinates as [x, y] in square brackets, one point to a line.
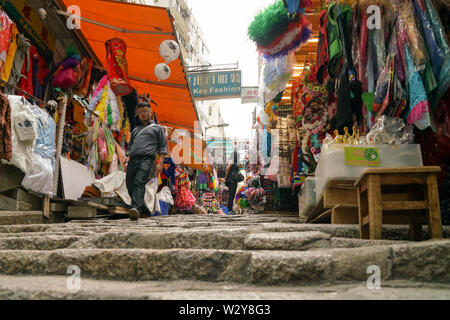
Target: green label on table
[369, 157]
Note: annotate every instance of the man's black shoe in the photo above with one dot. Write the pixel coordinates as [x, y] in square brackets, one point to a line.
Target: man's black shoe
[133, 214]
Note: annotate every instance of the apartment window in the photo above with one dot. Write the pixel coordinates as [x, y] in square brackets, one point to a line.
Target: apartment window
[210, 111]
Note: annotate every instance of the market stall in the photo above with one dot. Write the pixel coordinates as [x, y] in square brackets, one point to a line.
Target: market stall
[69, 97]
[368, 90]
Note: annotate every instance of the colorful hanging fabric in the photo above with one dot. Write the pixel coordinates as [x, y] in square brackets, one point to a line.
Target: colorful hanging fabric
[443, 77]
[169, 169]
[9, 60]
[5, 36]
[418, 112]
[202, 182]
[182, 178]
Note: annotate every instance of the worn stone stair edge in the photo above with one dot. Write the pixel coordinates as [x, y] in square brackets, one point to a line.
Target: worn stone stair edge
[55, 287]
[422, 262]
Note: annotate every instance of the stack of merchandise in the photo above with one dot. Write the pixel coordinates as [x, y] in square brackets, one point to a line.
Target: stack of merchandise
[282, 126]
[223, 194]
[284, 174]
[251, 196]
[210, 203]
[269, 190]
[184, 200]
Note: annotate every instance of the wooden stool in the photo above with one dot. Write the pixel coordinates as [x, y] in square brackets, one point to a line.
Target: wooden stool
[408, 192]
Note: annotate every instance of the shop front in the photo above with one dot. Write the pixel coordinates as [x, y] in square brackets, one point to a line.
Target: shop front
[340, 96]
[69, 97]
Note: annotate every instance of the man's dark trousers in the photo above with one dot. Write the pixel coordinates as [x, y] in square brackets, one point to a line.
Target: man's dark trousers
[139, 171]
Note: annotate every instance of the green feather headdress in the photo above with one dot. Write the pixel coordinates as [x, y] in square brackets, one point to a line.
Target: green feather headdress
[269, 24]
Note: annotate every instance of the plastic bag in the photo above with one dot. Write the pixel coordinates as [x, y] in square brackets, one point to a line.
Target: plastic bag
[275, 76]
[110, 144]
[388, 130]
[25, 126]
[115, 184]
[408, 26]
[93, 159]
[150, 198]
[40, 179]
[165, 195]
[114, 165]
[101, 145]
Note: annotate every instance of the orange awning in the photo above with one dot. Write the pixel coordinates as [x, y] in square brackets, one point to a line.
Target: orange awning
[196, 155]
[175, 105]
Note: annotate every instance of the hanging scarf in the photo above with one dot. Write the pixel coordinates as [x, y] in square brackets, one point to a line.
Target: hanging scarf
[418, 112]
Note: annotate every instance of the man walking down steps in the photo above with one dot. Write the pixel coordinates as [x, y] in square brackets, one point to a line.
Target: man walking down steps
[147, 141]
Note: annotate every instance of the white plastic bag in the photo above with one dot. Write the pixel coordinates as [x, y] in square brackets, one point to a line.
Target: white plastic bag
[114, 183]
[165, 195]
[150, 198]
[40, 179]
[22, 151]
[25, 126]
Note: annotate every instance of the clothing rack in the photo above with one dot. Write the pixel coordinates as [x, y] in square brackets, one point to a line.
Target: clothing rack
[22, 92]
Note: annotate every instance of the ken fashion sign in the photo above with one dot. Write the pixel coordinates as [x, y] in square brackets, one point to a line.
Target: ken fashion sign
[216, 85]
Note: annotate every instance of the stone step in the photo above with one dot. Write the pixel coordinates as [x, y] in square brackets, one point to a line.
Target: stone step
[229, 239]
[56, 288]
[425, 261]
[390, 232]
[287, 241]
[38, 242]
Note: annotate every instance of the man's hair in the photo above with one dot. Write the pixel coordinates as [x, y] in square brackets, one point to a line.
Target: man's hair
[143, 105]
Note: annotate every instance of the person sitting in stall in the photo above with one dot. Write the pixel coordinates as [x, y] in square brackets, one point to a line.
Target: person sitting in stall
[147, 140]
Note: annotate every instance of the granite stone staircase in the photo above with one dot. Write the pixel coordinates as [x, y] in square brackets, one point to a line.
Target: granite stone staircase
[178, 257]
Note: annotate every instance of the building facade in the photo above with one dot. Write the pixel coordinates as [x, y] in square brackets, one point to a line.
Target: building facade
[194, 52]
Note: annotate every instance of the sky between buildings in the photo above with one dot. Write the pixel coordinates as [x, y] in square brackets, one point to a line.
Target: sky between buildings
[224, 24]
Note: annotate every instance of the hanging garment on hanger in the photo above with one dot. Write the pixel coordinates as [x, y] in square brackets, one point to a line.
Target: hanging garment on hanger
[443, 78]
[40, 179]
[362, 72]
[26, 79]
[5, 128]
[40, 75]
[418, 112]
[22, 54]
[322, 48]
[436, 54]
[5, 36]
[9, 60]
[334, 41]
[22, 119]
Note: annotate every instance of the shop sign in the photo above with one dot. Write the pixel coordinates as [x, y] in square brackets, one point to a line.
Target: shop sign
[219, 144]
[249, 95]
[31, 24]
[215, 85]
[369, 157]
